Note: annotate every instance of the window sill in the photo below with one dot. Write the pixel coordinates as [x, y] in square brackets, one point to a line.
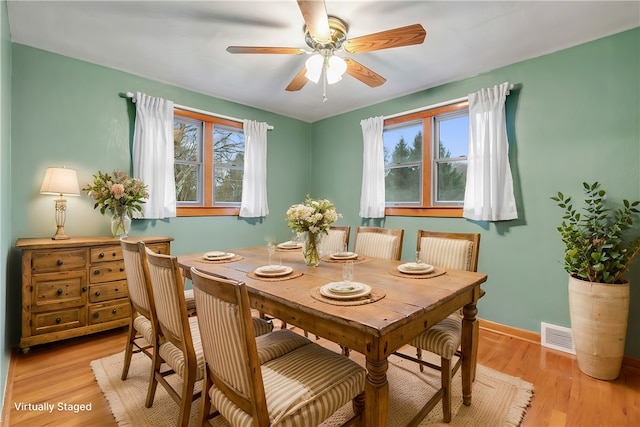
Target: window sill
[434, 211]
[207, 211]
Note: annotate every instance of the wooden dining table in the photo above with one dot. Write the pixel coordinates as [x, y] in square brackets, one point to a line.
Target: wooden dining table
[399, 307]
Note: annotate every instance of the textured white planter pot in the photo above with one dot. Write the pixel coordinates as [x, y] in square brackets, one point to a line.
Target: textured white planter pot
[599, 315]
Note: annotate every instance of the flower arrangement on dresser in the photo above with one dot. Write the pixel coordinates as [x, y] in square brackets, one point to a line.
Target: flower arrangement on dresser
[120, 194]
[313, 218]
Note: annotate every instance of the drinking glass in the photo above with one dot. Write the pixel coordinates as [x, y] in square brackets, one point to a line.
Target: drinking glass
[418, 259]
[271, 249]
[347, 271]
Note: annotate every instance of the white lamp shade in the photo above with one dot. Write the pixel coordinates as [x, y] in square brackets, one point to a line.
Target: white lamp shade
[314, 67]
[335, 70]
[60, 181]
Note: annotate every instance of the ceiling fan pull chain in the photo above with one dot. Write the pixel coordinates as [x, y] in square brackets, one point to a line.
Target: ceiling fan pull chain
[324, 88]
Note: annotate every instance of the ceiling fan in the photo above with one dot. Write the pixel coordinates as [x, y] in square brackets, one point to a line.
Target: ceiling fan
[326, 35]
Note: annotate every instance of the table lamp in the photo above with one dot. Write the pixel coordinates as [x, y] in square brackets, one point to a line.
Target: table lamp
[60, 181]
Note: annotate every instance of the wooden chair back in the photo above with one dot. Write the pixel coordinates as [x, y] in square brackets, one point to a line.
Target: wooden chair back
[228, 341]
[458, 251]
[167, 287]
[135, 263]
[379, 242]
[336, 240]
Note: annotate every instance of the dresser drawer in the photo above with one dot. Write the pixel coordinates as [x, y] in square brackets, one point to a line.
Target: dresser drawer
[105, 253]
[58, 290]
[108, 291]
[159, 248]
[59, 320]
[100, 313]
[58, 260]
[107, 272]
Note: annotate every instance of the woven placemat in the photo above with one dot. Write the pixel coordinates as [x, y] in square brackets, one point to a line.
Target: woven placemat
[292, 275]
[356, 260]
[437, 271]
[221, 261]
[375, 295]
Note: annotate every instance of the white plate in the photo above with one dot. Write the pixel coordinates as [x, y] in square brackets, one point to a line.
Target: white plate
[273, 270]
[217, 255]
[346, 287]
[413, 268]
[327, 292]
[344, 255]
[289, 245]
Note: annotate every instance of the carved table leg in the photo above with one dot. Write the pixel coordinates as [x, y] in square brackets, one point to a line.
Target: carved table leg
[469, 350]
[376, 394]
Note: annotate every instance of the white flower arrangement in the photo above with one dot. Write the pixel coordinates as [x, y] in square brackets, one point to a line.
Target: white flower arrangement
[313, 216]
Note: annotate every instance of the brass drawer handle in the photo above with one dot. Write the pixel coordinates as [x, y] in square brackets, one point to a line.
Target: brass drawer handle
[60, 262]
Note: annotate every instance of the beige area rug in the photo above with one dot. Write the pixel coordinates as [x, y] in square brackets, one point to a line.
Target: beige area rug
[498, 399]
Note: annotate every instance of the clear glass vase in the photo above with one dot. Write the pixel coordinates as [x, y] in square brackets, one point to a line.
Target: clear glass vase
[311, 248]
[120, 223]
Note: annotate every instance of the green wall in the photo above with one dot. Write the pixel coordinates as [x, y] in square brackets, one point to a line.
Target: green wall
[574, 117]
[5, 191]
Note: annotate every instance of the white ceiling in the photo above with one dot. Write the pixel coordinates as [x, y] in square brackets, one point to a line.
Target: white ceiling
[183, 42]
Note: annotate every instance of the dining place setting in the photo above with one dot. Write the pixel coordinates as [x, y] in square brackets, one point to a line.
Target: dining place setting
[417, 269]
[220, 257]
[274, 271]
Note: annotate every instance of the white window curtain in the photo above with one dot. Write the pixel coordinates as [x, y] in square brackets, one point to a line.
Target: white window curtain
[372, 196]
[153, 154]
[489, 189]
[254, 182]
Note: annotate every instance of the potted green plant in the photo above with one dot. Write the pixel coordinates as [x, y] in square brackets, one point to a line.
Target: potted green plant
[597, 253]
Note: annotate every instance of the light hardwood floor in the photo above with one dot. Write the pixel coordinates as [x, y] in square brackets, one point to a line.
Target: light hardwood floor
[60, 372]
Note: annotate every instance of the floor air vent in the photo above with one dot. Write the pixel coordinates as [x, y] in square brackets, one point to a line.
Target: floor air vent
[557, 337]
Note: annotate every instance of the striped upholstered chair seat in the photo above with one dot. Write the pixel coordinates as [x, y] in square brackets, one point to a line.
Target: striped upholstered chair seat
[296, 383]
[454, 251]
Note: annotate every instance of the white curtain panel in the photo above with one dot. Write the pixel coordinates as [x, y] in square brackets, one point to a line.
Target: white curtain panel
[372, 195]
[153, 154]
[489, 189]
[254, 182]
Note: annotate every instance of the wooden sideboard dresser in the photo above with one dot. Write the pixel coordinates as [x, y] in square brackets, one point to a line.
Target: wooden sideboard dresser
[75, 287]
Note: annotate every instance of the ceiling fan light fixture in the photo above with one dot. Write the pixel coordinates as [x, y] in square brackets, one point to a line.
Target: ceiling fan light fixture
[336, 68]
[314, 66]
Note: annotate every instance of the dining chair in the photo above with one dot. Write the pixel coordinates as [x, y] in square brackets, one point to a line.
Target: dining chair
[455, 251]
[175, 332]
[180, 346]
[301, 387]
[336, 240]
[379, 242]
[140, 334]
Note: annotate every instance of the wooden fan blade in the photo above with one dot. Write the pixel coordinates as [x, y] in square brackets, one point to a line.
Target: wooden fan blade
[298, 81]
[316, 19]
[262, 49]
[362, 73]
[403, 36]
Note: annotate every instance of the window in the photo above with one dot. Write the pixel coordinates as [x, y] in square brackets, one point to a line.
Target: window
[209, 164]
[425, 156]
